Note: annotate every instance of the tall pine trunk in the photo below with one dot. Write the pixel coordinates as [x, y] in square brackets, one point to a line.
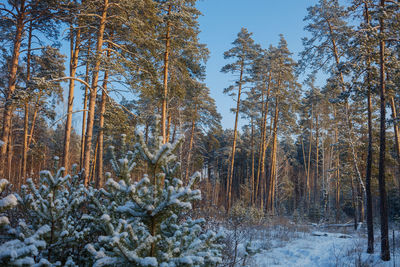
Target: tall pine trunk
[252, 157]
[26, 108]
[385, 252]
[316, 178]
[370, 223]
[100, 140]
[308, 183]
[271, 190]
[396, 136]
[337, 169]
[230, 171]
[8, 108]
[165, 83]
[263, 143]
[74, 53]
[85, 104]
[191, 143]
[93, 93]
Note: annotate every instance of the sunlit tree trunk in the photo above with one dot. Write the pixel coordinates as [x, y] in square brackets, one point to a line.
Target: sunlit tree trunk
[230, 172]
[93, 92]
[191, 144]
[20, 23]
[385, 252]
[370, 222]
[316, 178]
[100, 140]
[85, 102]
[309, 159]
[165, 83]
[75, 42]
[271, 194]
[263, 143]
[396, 136]
[252, 156]
[26, 108]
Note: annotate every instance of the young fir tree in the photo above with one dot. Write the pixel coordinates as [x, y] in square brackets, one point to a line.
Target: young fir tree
[57, 206]
[22, 250]
[140, 220]
[6, 203]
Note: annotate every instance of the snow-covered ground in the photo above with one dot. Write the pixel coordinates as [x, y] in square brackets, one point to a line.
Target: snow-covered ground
[323, 249]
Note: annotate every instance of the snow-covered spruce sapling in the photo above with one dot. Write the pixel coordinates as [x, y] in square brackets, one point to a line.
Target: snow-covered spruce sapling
[57, 204]
[241, 217]
[141, 219]
[14, 251]
[6, 203]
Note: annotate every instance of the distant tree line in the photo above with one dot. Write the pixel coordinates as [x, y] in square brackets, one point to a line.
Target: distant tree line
[327, 151]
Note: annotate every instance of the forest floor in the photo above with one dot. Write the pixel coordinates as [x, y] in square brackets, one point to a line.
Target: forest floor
[325, 249]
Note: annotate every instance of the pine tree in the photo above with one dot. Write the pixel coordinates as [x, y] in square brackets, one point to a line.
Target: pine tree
[285, 88]
[16, 16]
[182, 52]
[385, 251]
[244, 52]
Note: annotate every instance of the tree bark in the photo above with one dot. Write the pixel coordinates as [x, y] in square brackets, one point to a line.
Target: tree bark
[309, 159]
[354, 204]
[316, 178]
[252, 158]
[85, 103]
[191, 143]
[337, 169]
[8, 107]
[165, 87]
[74, 51]
[26, 107]
[396, 136]
[93, 93]
[100, 144]
[230, 172]
[385, 252]
[271, 195]
[370, 223]
[263, 143]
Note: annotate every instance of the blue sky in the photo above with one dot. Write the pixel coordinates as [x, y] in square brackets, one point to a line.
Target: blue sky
[266, 19]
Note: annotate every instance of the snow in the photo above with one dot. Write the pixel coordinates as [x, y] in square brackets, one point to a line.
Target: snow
[322, 249]
[4, 220]
[8, 202]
